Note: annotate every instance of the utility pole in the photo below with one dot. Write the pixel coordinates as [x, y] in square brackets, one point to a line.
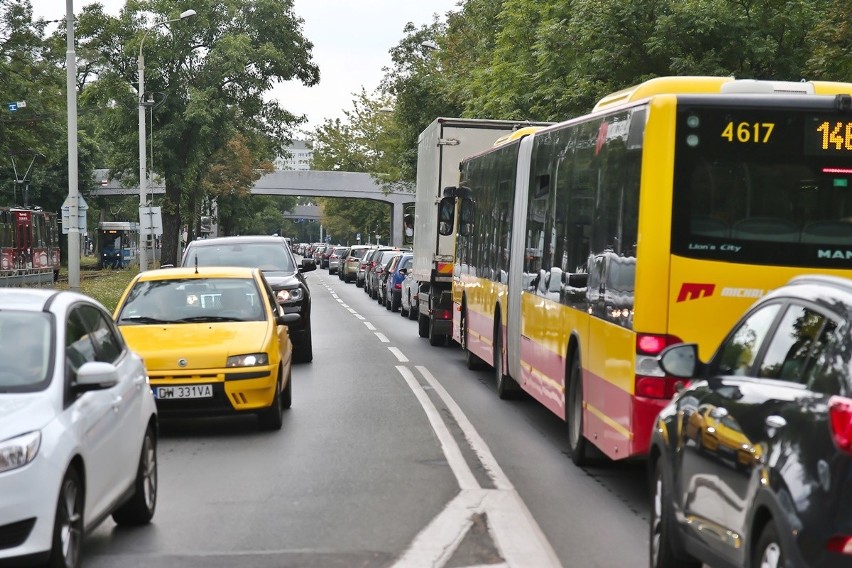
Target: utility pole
[73, 191]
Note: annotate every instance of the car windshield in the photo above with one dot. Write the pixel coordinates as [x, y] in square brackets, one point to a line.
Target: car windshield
[269, 257]
[195, 300]
[26, 356]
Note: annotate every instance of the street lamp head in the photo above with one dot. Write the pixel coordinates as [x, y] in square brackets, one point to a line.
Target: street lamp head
[187, 14]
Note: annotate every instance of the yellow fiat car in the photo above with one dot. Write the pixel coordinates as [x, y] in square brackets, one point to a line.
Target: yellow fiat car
[213, 339]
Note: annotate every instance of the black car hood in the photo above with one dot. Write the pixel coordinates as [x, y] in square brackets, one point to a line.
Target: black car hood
[281, 279]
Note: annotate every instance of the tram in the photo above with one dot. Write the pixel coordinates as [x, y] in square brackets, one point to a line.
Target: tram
[117, 243]
[29, 242]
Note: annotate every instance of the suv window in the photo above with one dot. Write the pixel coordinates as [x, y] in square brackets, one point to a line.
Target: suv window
[269, 257]
[737, 354]
[799, 337]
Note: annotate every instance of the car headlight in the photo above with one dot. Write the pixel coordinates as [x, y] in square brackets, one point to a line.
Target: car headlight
[250, 360]
[19, 451]
[289, 295]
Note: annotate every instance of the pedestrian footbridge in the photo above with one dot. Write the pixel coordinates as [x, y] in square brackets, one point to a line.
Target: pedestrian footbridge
[353, 185]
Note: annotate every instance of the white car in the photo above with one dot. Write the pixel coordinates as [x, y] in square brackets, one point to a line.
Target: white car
[78, 434]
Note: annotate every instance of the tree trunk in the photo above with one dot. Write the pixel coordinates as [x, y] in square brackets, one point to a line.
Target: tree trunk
[171, 226]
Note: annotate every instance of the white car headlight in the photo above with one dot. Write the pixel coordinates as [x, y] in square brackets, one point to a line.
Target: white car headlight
[290, 295]
[250, 360]
[19, 451]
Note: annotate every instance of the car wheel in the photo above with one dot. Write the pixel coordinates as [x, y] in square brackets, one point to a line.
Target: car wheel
[272, 418]
[140, 508]
[68, 524]
[472, 361]
[506, 385]
[402, 311]
[304, 352]
[413, 309]
[287, 394]
[576, 440]
[768, 552]
[662, 551]
[396, 303]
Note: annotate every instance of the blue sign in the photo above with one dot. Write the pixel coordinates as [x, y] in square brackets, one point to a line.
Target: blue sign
[12, 107]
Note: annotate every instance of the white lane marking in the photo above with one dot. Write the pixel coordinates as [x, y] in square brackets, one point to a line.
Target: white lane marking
[382, 337]
[344, 305]
[458, 465]
[351, 311]
[359, 316]
[513, 529]
[402, 358]
[370, 326]
[476, 443]
[339, 301]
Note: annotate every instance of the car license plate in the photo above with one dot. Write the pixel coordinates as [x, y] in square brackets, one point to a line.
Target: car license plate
[187, 391]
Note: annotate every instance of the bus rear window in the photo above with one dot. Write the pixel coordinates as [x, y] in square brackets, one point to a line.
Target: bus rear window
[762, 186]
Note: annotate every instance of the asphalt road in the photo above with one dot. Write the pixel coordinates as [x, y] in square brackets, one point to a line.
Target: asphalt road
[393, 454]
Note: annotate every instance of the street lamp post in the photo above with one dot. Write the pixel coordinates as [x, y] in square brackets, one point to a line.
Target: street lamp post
[143, 174]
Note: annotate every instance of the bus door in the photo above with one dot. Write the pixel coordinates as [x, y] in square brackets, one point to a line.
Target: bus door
[23, 239]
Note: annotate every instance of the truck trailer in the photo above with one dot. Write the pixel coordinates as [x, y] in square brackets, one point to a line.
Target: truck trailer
[440, 149]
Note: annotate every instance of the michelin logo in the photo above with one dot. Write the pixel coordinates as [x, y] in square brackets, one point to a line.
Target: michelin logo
[696, 291]
[743, 293]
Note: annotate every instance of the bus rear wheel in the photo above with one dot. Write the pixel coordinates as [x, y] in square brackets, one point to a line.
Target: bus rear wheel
[574, 409]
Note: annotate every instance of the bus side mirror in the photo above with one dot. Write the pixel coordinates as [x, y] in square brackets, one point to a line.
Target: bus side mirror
[446, 211]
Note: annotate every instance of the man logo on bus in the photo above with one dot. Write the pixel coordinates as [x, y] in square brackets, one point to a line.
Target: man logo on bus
[690, 291]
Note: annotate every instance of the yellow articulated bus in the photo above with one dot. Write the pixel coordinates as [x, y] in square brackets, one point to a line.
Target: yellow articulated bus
[586, 247]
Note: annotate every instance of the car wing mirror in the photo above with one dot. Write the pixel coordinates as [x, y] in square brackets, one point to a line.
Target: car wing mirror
[680, 360]
[95, 375]
[287, 319]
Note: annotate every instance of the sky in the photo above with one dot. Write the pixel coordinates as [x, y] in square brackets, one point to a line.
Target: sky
[352, 40]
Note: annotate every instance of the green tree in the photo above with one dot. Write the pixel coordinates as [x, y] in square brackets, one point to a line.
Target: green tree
[831, 57]
[212, 72]
[228, 181]
[360, 143]
[35, 135]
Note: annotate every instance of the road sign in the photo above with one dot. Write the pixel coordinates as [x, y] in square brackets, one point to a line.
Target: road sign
[82, 207]
[12, 107]
[150, 221]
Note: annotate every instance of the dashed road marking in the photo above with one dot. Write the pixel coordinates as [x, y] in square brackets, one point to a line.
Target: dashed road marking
[399, 355]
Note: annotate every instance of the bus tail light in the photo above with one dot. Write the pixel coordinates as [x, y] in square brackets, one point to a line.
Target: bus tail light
[840, 418]
[442, 314]
[651, 381]
[842, 544]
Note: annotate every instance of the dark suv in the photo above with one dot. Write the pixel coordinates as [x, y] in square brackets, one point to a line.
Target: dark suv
[275, 259]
